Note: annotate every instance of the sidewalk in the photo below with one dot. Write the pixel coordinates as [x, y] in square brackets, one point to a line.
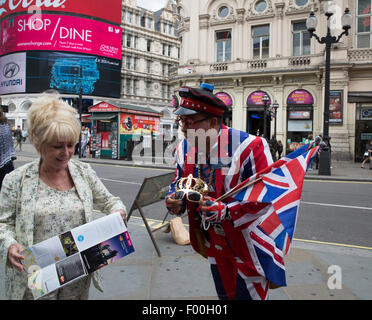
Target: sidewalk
[181, 274]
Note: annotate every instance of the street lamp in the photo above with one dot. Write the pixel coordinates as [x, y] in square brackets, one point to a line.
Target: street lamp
[275, 106]
[328, 40]
[265, 99]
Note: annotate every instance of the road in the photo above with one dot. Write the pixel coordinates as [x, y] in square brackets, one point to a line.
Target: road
[330, 211]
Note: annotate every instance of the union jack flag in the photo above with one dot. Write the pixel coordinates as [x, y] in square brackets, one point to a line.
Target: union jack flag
[279, 186]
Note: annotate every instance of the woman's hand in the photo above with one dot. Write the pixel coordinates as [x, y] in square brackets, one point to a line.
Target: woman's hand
[123, 215]
[15, 257]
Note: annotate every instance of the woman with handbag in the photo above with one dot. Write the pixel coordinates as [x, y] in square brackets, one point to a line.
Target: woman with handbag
[49, 196]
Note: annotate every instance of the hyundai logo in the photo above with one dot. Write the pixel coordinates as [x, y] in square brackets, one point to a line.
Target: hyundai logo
[10, 70]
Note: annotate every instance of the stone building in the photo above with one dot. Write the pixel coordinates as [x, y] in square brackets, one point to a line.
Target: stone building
[249, 48]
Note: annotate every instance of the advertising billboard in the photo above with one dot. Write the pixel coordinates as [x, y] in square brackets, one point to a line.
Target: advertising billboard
[60, 33]
[300, 97]
[13, 73]
[67, 73]
[109, 10]
[138, 124]
[255, 99]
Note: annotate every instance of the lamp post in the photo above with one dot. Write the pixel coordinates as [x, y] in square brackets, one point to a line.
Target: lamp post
[328, 40]
[265, 99]
[275, 106]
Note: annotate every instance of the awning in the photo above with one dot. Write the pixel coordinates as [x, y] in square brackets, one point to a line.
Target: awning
[360, 96]
[103, 116]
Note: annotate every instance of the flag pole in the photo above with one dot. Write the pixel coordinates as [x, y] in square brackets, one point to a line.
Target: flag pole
[235, 191]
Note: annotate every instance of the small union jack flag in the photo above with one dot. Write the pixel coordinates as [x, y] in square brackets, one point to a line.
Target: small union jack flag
[279, 186]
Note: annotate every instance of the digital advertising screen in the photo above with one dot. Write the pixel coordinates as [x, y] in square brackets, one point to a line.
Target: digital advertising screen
[60, 33]
[67, 73]
[109, 10]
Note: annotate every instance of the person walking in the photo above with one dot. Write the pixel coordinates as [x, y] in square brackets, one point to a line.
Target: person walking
[226, 243]
[368, 155]
[49, 196]
[85, 137]
[280, 149]
[7, 153]
[18, 136]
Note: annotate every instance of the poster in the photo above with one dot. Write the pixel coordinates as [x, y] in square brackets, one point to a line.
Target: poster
[57, 261]
[60, 33]
[139, 124]
[13, 73]
[300, 96]
[255, 99]
[335, 107]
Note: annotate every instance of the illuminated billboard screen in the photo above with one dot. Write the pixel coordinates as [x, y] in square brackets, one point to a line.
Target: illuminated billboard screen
[109, 10]
[60, 33]
[67, 73]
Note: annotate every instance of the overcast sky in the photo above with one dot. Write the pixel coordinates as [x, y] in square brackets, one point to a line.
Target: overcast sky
[153, 5]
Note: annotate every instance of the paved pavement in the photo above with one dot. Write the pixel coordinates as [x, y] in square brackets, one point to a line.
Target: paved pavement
[315, 271]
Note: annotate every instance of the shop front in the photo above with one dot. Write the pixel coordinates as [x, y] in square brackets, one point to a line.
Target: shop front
[299, 118]
[256, 114]
[227, 116]
[116, 128]
[363, 121]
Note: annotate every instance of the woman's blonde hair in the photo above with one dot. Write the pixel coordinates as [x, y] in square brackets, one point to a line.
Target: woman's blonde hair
[52, 120]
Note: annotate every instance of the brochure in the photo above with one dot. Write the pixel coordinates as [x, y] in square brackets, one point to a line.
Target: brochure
[57, 261]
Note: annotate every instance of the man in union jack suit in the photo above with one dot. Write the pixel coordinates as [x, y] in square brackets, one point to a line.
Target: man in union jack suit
[222, 160]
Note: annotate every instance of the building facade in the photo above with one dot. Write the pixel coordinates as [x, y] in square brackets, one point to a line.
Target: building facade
[249, 48]
[150, 54]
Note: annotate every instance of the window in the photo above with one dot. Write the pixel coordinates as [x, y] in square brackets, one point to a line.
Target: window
[148, 66]
[163, 87]
[135, 59]
[164, 48]
[148, 88]
[301, 39]
[260, 6]
[143, 20]
[223, 46]
[135, 42]
[163, 66]
[129, 40]
[301, 3]
[169, 50]
[127, 86]
[260, 38]
[128, 62]
[223, 12]
[149, 23]
[148, 45]
[364, 17]
[135, 86]
[129, 17]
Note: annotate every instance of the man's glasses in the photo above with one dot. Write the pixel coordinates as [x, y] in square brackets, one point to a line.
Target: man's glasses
[191, 195]
[188, 121]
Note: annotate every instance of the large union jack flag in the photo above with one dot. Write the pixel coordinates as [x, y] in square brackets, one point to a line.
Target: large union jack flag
[280, 186]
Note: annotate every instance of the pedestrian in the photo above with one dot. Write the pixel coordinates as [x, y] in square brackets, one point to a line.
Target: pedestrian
[273, 143]
[368, 154]
[24, 135]
[226, 243]
[280, 149]
[49, 196]
[18, 136]
[85, 137]
[318, 141]
[308, 140]
[7, 153]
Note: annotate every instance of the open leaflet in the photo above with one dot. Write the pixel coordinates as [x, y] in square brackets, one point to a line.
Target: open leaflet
[57, 261]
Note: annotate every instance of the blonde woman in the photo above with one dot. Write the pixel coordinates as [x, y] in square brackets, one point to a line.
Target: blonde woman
[49, 196]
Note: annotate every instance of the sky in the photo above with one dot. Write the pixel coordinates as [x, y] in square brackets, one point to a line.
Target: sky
[153, 5]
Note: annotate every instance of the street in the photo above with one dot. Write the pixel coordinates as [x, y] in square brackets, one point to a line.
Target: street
[330, 211]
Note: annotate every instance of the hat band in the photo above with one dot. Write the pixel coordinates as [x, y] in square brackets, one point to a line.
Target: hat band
[201, 107]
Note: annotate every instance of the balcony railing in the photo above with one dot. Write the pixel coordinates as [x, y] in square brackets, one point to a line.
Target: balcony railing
[218, 67]
[357, 55]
